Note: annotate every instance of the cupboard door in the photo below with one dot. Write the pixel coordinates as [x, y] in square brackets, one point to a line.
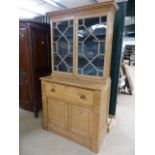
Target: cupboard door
[41, 59]
[57, 113]
[91, 45]
[80, 120]
[25, 94]
[63, 45]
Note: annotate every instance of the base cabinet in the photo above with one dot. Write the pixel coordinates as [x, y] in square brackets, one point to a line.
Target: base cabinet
[76, 119]
[82, 120]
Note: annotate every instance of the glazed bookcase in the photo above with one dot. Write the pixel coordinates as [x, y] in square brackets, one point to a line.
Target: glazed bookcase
[76, 95]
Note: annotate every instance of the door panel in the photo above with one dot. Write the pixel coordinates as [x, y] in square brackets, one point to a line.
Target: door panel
[41, 43]
[41, 59]
[91, 45]
[63, 34]
[24, 90]
[57, 113]
[80, 120]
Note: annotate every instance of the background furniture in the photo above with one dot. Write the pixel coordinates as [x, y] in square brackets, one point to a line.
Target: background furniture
[76, 96]
[129, 54]
[128, 86]
[34, 62]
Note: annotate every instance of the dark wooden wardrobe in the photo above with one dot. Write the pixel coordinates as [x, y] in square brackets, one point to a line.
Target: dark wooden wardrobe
[34, 62]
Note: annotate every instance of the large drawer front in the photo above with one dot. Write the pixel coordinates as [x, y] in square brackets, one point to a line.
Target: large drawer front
[69, 94]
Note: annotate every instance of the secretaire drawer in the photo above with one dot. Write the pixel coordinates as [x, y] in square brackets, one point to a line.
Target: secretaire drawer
[69, 94]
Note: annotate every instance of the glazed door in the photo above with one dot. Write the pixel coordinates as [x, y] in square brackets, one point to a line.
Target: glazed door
[63, 33]
[24, 73]
[91, 45]
[57, 113]
[80, 121]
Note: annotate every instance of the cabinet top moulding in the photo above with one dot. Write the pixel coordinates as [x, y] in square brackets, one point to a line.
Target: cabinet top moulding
[108, 5]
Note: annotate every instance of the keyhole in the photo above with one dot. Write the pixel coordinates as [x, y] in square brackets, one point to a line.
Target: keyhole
[42, 42]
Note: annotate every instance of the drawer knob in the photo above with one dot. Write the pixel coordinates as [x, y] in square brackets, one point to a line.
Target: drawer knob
[52, 89]
[83, 97]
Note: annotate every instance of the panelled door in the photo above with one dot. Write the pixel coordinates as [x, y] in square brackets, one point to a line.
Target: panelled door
[80, 120]
[24, 70]
[70, 117]
[57, 113]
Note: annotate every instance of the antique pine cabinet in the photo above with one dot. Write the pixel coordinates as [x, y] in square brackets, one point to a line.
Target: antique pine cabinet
[76, 96]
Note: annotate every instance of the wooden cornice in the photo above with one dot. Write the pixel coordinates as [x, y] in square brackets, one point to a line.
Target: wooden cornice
[74, 11]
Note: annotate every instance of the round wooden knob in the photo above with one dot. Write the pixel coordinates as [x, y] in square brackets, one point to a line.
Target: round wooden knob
[83, 97]
[52, 89]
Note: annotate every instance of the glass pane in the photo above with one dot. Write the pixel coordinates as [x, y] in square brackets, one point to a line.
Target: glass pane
[69, 61]
[62, 67]
[98, 62]
[63, 45]
[102, 48]
[91, 45]
[56, 34]
[82, 33]
[90, 70]
[82, 62]
[91, 22]
[100, 73]
[80, 46]
[69, 33]
[81, 22]
[62, 25]
[71, 22]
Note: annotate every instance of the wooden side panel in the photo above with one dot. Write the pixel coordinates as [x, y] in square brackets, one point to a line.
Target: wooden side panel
[108, 46]
[80, 120]
[44, 105]
[96, 116]
[108, 100]
[104, 112]
[57, 113]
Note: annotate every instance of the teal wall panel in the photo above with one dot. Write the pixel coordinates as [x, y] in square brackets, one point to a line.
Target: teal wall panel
[116, 55]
